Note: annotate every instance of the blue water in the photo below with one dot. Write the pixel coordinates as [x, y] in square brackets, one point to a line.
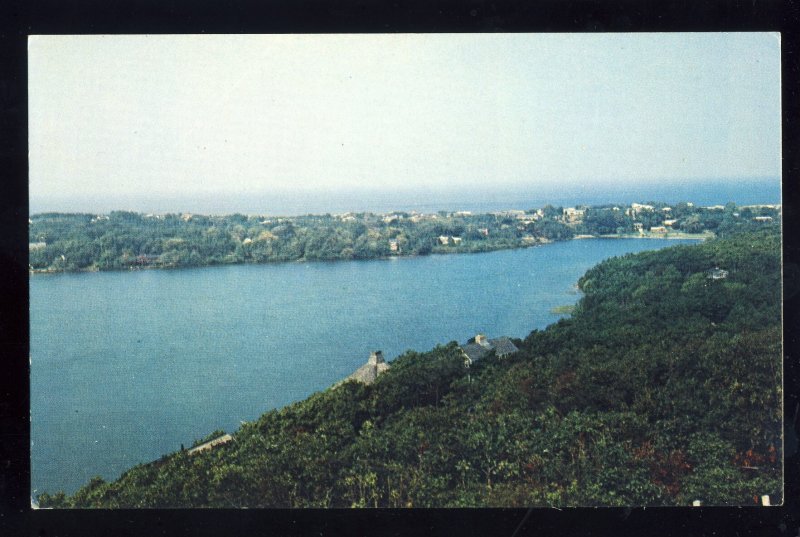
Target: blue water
[127, 366]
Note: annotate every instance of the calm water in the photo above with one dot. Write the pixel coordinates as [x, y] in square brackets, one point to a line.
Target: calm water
[127, 366]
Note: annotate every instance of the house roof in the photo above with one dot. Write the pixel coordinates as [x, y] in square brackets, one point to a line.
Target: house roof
[503, 345]
[717, 273]
[475, 351]
[224, 439]
[368, 372]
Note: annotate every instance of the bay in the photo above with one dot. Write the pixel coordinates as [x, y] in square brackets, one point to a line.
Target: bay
[127, 366]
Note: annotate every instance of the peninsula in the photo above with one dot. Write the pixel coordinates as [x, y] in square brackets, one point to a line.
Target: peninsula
[122, 240]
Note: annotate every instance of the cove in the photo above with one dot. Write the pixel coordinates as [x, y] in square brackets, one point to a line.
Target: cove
[127, 366]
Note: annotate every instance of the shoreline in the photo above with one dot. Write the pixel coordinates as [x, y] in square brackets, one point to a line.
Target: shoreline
[670, 235]
[673, 236]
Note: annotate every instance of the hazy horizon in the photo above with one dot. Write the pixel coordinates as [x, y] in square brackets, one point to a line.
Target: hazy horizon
[293, 203]
[159, 122]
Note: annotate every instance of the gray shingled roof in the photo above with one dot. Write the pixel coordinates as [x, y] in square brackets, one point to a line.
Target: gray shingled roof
[503, 346]
[474, 351]
[368, 372]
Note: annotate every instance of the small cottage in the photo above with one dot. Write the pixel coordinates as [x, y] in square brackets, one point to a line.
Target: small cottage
[571, 214]
[368, 372]
[717, 274]
[502, 347]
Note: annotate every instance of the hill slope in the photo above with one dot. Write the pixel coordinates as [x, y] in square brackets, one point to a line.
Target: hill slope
[662, 388]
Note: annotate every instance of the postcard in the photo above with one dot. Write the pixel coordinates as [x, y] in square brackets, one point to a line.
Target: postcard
[405, 270]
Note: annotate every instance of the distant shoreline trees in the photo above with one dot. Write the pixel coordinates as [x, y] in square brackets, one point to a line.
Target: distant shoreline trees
[124, 240]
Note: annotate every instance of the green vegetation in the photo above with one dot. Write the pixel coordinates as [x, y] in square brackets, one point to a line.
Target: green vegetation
[68, 242]
[663, 387]
[563, 310]
[122, 240]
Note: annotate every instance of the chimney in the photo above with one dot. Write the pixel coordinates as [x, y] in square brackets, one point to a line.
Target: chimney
[375, 358]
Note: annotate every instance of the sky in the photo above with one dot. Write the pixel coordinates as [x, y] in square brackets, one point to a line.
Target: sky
[130, 120]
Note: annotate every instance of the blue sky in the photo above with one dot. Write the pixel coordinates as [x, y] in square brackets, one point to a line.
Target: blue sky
[180, 116]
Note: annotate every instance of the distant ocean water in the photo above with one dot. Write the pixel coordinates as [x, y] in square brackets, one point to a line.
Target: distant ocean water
[477, 200]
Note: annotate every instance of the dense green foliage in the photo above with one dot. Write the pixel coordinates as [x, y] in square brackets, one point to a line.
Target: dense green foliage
[662, 388]
[120, 240]
[126, 239]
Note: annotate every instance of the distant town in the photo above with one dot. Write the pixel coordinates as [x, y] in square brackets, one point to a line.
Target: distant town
[60, 242]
